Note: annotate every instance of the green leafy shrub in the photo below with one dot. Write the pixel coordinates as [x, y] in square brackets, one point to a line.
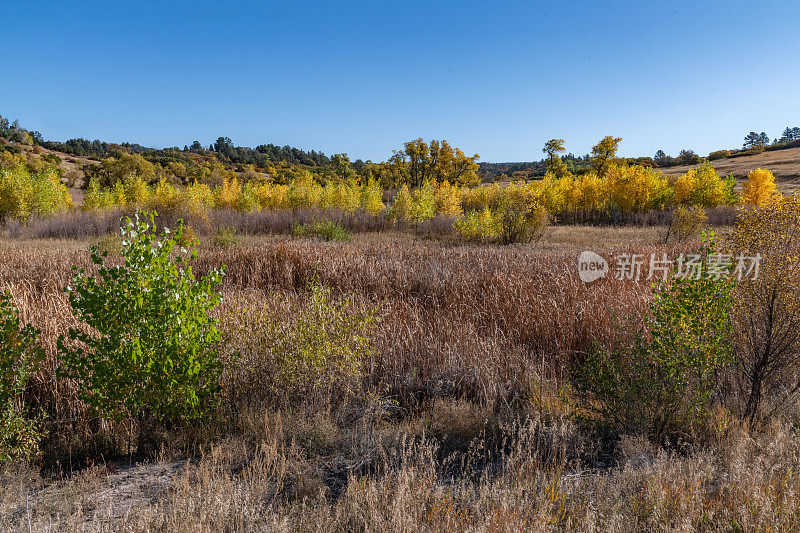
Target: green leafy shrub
[225, 238]
[327, 230]
[308, 352]
[477, 226]
[322, 349]
[731, 197]
[149, 350]
[665, 381]
[53, 159]
[20, 353]
[719, 154]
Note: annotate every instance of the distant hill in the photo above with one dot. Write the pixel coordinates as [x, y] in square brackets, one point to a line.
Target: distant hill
[527, 169]
[784, 164]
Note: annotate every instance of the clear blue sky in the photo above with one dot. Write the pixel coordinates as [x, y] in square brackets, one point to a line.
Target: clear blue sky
[361, 77]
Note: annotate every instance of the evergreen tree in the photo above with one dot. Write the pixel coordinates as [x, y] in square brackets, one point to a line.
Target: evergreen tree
[754, 139]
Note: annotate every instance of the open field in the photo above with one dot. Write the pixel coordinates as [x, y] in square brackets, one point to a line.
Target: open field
[490, 302]
[466, 421]
[413, 359]
[368, 348]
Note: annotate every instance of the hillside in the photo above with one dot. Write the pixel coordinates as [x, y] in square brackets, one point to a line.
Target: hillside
[784, 164]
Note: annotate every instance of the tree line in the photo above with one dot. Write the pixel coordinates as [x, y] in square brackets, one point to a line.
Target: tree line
[415, 163]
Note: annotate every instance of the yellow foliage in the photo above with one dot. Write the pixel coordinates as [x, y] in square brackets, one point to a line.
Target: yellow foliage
[480, 197]
[137, 192]
[423, 206]
[96, 197]
[683, 187]
[304, 192]
[401, 208]
[9, 160]
[345, 195]
[164, 192]
[23, 193]
[636, 188]
[247, 201]
[700, 186]
[117, 194]
[272, 196]
[372, 197]
[591, 192]
[164, 197]
[627, 188]
[480, 226]
[759, 187]
[447, 199]
[551, 192]
[197, 199]
[227, 196]
[199, 195]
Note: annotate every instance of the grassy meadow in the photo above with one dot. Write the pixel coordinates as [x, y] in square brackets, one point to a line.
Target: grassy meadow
[219, 340]
[463, 415]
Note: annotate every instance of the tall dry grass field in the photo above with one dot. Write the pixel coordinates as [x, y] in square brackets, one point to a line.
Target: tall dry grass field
[462, 424]
[475, 322]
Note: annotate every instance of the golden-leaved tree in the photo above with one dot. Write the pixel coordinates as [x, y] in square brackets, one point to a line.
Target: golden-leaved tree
[759, 187]
[700, 186]
[604, 153]
[553, 148]
[24, 193]
[636, 188]
[419, 162]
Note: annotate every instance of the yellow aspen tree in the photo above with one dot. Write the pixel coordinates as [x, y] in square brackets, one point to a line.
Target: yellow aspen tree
[759, 187]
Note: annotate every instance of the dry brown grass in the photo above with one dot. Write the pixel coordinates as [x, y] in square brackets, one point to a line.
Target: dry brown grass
[472, 321]
[462, 426]
[468, 321]
[537, 479]
[784, 164]
[479, 323]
